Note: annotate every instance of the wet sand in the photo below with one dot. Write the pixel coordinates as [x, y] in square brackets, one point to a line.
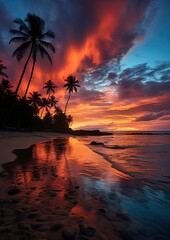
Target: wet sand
[20, 140]
[60, 189]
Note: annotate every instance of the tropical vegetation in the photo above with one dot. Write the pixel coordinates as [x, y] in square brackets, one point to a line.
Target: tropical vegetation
[34, 113]
[71, 86]
[30, 33]
[34, 110]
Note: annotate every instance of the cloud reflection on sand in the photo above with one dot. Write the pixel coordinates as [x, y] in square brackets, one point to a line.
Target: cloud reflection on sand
[114, 204]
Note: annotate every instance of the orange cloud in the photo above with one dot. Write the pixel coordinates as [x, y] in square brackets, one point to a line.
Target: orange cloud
[88, 37]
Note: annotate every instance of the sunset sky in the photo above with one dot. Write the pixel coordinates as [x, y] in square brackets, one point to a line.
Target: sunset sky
[119, 50]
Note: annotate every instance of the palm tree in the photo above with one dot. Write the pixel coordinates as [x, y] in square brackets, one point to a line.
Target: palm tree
[53, 101]
[44, 105]
[2, 67]
[69, 120]
[58, 111]
[5, 87]
[50, 86]
[71, 86]
[30, 34]
[35, 101]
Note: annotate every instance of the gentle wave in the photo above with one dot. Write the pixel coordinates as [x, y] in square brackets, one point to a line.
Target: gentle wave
[143, 157]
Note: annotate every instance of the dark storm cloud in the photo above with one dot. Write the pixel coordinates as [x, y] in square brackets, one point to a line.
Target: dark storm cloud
[75, 20]
[112, 75]
[141, 84]
[152, 116]
[136, 89]
[91, 97]
[165, 118]
[143, 81]
[162, 105]
[112, 24]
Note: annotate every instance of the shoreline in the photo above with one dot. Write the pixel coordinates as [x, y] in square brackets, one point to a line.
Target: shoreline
[10, 141]
[87, 197]
[28, 186]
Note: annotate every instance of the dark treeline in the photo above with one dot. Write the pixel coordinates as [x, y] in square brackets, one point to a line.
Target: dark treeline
[32, 111]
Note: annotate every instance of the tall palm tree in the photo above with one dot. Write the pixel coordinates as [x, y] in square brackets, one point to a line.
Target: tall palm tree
[2, 67]
[71, 85]
[35, 101]
[30, 34]
[50, 86]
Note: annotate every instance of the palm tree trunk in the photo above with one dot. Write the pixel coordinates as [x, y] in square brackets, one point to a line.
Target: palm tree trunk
[34, 60]
[23, 72]
[42, 113]
[67, 103]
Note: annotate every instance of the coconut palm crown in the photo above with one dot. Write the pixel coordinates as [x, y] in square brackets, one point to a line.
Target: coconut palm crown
[71, 86]
[5, 87]
[35, 101]
[50, 86]
[31, 37]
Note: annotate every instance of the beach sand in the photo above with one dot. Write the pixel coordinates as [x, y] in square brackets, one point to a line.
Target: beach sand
[45, 197]
[20, 140]
[61, 189]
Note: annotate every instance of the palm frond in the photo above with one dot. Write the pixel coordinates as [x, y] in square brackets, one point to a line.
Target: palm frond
[18, 39]
[6, 84]
[2, 66]
[3, 74]
[75, 89]
[47, 45]
[43, 53]
[48, 34]
[23, 26]
[35, 24]
[71, 84]
[18, 21]
[66, 85]
[21, 50]
[17, 32]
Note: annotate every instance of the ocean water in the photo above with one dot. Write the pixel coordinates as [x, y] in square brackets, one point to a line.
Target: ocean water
[123, 185]
[146, 157]
[144, 160]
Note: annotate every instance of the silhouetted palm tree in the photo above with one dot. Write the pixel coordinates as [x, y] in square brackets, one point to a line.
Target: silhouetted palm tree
[2, 67]
[58, 111]
[53, 101]
[50, 86]
[71, 86]
[69, 119]
[35, 101]
[31, 36]
[5, 87]
[44, 105]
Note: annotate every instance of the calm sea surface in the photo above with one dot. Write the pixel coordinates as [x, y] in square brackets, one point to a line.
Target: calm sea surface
[124, 190]
[145, 157]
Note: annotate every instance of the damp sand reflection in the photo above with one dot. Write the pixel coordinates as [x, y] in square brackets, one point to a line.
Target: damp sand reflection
[66, 187]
